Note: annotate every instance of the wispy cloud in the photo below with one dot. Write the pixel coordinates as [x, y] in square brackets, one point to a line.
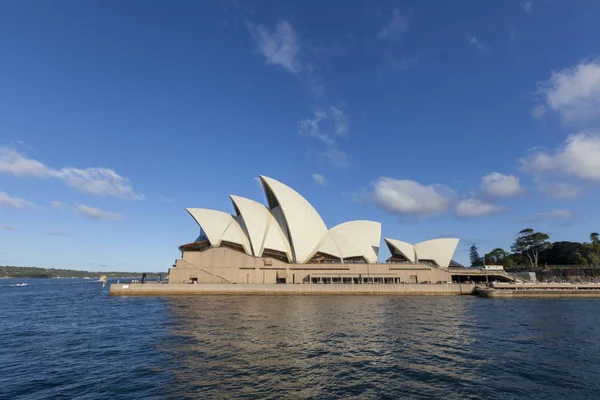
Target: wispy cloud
[482, 48]
[96, 213]
[527, 6]
[7, 228]
[98, 181]
[14, 202]
[558, 190]
[57, 204]
[397, 25]
[328, 125]
[64, 234]
[554, 214]
[165, 199]
[279, 46]
[472, 208]
[319, 179]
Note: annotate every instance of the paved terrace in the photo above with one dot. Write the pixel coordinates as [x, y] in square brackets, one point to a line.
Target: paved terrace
[480, 275]
[282, 289]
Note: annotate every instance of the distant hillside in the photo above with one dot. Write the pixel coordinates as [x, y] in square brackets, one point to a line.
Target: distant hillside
[34, 272]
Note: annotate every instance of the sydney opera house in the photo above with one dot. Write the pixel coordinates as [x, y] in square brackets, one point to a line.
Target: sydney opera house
[287, 242]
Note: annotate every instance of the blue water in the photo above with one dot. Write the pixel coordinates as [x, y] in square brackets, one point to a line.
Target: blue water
[68, 339]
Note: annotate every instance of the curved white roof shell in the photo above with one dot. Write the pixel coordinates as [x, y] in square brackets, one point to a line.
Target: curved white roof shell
[256, 219]
[219, 226]
[358, 238]
[399, 247]
[275, 239]
[305, 227]
[261, 226]
[438, 250]
[329, 246]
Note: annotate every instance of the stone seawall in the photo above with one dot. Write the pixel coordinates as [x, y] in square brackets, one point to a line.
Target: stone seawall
[136, 289]
[534, 293]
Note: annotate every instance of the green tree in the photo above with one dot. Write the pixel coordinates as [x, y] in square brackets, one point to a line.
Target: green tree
[474, 256]
[496, 257]
[530, 243]
[577, 259]
[593, 258]
[594, 238]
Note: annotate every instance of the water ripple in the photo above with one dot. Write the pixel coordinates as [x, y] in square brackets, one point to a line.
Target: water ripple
[73, 341]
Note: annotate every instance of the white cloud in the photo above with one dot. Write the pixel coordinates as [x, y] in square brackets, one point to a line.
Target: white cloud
[396, 26]
[319, 179]
[472, 208]
[482, 48]
[56, 204]
[410, 197]
[579, 157]
[499, 185]
[574, 92]
[279, 46]
[527, 6]
[7, 228]
[98, 181]
[96, 213]
[14, 202]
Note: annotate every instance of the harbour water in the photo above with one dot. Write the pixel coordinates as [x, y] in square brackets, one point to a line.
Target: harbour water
[68, 339]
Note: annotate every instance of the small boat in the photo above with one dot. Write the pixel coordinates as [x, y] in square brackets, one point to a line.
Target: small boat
[21, 284]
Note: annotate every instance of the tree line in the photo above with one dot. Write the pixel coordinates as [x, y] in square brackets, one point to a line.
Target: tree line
[533, 249]
[35, 272]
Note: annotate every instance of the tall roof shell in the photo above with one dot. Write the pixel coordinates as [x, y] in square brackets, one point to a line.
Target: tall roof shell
[262, 228]
[304, 224]
[275, 239]
[399, 247]
[219, 226]
[330, 246]
[358, 238]
[256, 218]
[438, 250]
[212, 222]
[235, 234]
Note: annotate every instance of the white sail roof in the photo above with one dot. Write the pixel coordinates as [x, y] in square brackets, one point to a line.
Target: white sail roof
[438, 250]
[329, 246]
[304, 224]
[275, 240]
[358, 238]
[256, 219]
[219, 226]
[407, 250]
[263, 229]
[235, 234]
[213, 223]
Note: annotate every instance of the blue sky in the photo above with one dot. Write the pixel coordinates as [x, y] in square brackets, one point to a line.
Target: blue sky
[469, 119]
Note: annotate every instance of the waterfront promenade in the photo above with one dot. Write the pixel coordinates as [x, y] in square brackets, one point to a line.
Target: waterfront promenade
[453, 289]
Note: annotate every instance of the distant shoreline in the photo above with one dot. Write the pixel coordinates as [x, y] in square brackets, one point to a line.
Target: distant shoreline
[36, 272]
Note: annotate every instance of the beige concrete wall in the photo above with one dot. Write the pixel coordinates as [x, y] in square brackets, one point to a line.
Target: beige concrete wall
[266, 289]
[223, 265]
